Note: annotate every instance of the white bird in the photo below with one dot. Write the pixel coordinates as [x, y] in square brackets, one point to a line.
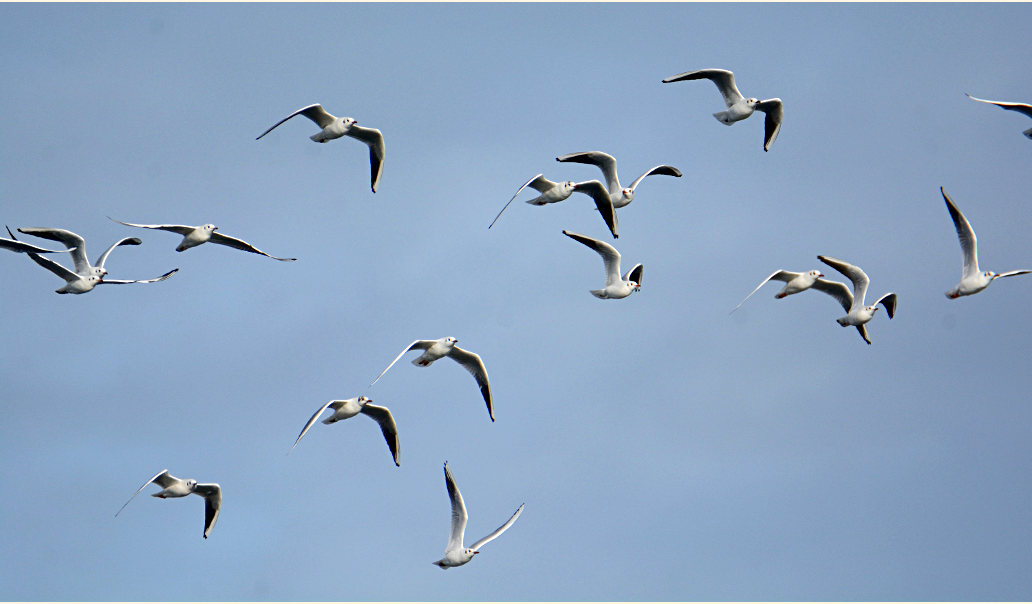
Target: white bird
[336, 127]
[857, 313]
[196, 235]
[616, 286]
[1019, 107]
[620, 196]
[972, 279]
[794, 283]
[352, 407]
[455, 554]
[177, 487]
[554, 192]
[86, 276]
[738, 107]
[445, 347]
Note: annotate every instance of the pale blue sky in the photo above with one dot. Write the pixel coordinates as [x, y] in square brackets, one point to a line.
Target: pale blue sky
[665, 451]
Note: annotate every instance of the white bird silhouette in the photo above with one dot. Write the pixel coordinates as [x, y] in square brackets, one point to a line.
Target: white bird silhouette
[620, 195]
[352, 407]
[177, 487]
[794, 283]
[616, 286]
[857, 314]
[196, 235]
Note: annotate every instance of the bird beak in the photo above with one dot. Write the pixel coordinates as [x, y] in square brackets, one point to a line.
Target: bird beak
[820, 274]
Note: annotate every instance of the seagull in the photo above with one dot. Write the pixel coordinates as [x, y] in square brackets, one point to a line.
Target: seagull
[21, 247]
[352, 407]
[551, 192]
[607, 163]
[794, 283]
[336, 127]
[86, 276]
[858, 314]
[616, 287]
[1019, 107]
[455, 554]
[445, 347]
[972, 279]
[738, 107]
[177, 487]
[196, 235]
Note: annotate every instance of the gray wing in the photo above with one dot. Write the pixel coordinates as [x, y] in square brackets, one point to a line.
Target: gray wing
[724, 79]
[498, 531]
[458, 512]
[966, 235]
[418, 344]
[538, 182]
[124, 241]
[162, 478]
[855, 274]
[603, 202]
[69, 239]
[610, 257]
[313, 112]
[374, 139]
[182, 229]
[1019, 107]
[774, 112]
[54, 267]
[889, 302]
[778, 275]
[383, 417]
[836, 289]
[635, 273]
[605, 162]
[240, 244]
[1012, 273]
[154, 280]
[311, 421]
[863, 333]
[20, 246]
[212, 494]
[475, 365]
[660, 170]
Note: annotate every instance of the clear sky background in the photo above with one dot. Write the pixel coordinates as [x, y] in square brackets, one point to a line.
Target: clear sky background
[664, 450]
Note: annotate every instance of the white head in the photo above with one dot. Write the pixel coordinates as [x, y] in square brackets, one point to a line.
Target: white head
[191, 483]
[451, 341]
[635, 285]
[567, 187]
[346, 122]
[628, 193]
[209, 227]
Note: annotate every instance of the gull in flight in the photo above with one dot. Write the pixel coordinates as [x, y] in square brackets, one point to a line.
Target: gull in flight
[738, 107]
[1019, 107]
[177, 487]
[196, 235]
[445, 347]
[857, 313]
[86, 276]
[336, 127]
[616, 287]
[972, 279]
[455, 554]
[553, 192]
[620, 196]
[794, 283]
[352, 407]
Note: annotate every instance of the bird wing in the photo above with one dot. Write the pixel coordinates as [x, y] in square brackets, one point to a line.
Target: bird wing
[662, 170]
[20, 246]
[605, 162]
[162, 478]
[498, 531]
[212, 494]
[836, 289]
[313, 112]
[724, 79]
[855, 274]
[383, 417]
[635, 273]
[182, 229]
[124, 241]
[418, 344]
[889, 302]
[603, 202]
[154, 280]
[311, 421]
[475, 365]
[374, 139]
[863, 332]
[1019, 107]
[538, 182]
[779, 275]
[773, 111]
[610, 257]
[1012, 273]
[966, 235]
[69, 239]
[458, 512]
[240, 244]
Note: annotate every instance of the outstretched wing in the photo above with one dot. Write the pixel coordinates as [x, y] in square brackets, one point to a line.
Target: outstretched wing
[966, 235]
[154, 280]
[661, 170]
[603, 202]
[605, 162]
[855, 274]
[635, 273]
[240, 244]
[313, 112]
[212, 494]
[610, 257]
[125, 241]
[182, 229]
[724, 79]
[498, 531]
[475, 365]
[458, 512]
[1019, 107]
[418, 344]
[539, 182]
[162, 478]
[311, 421]
[374, 139]
[75, 244]
[383, 417]
[836, 289]
[774, 111]
[778, 275]
[20, 246]
[889, 302]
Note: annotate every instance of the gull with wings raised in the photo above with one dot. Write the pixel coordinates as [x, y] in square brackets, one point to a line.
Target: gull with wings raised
[857, 313]
[616, 286]
[178, 487]
[352, 407]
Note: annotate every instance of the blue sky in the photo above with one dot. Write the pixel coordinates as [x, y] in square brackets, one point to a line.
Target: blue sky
[664, 450]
